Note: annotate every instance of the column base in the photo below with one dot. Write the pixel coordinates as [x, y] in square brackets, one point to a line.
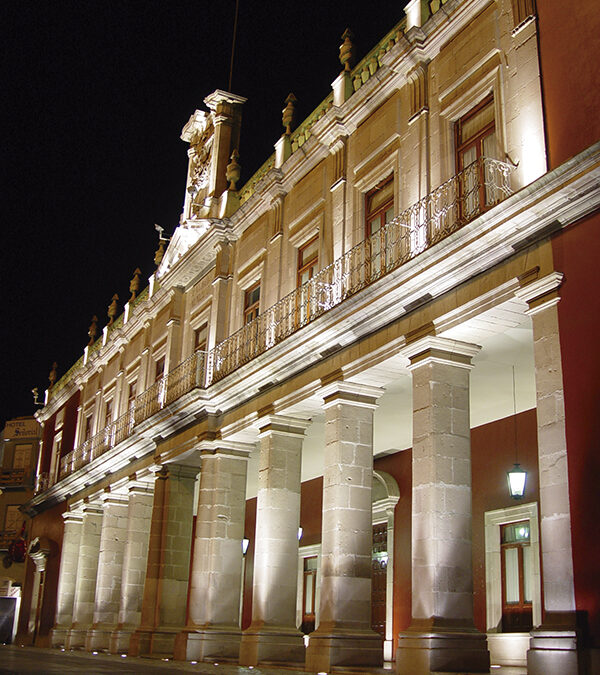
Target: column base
[153, 642]
[76, 637]
[554, 652]
[447, 651]
[343, 647]
[207, 643]
[98, 638]
[58, 636]
[119, 640]
[271, 645]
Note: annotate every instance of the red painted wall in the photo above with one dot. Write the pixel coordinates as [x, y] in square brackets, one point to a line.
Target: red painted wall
[399, 466]
[492, 455]
[577, 254]
[569, 45]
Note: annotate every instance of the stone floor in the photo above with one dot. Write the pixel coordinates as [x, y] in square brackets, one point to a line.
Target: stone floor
[17, 660]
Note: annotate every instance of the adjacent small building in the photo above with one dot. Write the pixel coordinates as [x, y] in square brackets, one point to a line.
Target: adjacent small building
[19, 448]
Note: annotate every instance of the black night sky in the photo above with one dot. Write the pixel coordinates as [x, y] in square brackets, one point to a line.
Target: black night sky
[94, 96]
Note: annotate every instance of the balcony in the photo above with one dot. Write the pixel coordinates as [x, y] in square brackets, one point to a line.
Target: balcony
[15, 478]
[442, 212]
[6, 539]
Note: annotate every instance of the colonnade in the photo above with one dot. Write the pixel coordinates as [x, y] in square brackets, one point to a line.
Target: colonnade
[126, 582]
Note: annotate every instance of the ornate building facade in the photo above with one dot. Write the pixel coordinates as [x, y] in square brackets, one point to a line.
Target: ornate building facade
[292, 446]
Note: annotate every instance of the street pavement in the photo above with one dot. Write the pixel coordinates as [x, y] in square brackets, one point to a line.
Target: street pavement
[16, 660]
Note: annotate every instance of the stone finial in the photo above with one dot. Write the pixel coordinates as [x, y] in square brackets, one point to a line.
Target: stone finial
[347, 50]
[93, 330]
[160, 252]
[233, 170]
[135, 284]
[53, 375]
[112, 310]
[289, 113]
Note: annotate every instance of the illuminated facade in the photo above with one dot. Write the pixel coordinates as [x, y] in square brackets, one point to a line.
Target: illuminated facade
[339, 362]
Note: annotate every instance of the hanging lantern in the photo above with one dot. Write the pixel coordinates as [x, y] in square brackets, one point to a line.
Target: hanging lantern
[517, 478]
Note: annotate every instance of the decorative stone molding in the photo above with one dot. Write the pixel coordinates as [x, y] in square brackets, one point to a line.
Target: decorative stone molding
[541, 294]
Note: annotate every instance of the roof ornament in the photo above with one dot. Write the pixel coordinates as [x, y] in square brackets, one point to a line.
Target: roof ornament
[233, 170]
[93, 331]
[112, 310]
[347, 54]
[288, 116]
[53, 375]
[135, 284]
[162, 241]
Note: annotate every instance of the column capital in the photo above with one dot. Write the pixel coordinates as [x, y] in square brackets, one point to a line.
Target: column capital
[92, 509]
[282, 424]
[112, 499]
[542, 293]
[229, 449]
[72, 517]
[354, 393]
[181, 471]
[433, 349]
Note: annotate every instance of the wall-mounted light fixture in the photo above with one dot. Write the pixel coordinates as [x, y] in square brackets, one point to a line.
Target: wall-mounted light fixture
[245, 544]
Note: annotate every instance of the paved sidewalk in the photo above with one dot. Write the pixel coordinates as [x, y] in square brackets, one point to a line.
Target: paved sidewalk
[17, 660]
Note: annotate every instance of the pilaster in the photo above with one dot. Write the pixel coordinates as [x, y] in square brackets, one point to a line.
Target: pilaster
[110, 571]
[87, 572]
[167, 572]
[555, 645]
[273, 635]
[344, 636]
[442, 636]
[67, 577]
[213, 630]
[135, 558]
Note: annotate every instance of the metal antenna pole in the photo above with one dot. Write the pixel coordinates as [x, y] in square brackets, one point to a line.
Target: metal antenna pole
[237, 4]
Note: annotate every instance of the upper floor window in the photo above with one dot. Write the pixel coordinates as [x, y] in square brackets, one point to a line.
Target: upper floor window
[108, 412]
[22, 457]
[308, 260]
[476, 134]
[201, 338]
[131, 394]
[160, 369]
[87, 428]
[379, 207]
[251, 303]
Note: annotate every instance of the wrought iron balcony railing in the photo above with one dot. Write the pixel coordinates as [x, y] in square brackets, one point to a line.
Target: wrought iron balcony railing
[186, 376]
[449, 207]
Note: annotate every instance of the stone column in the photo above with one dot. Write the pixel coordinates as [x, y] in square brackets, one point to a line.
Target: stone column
[344, 636]
[135, 558]
[110, 571]
[87, 572]
[554, 645]
[213, 630]
[164, 599]
[67, 577]
[273, 635]
[442, 636]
